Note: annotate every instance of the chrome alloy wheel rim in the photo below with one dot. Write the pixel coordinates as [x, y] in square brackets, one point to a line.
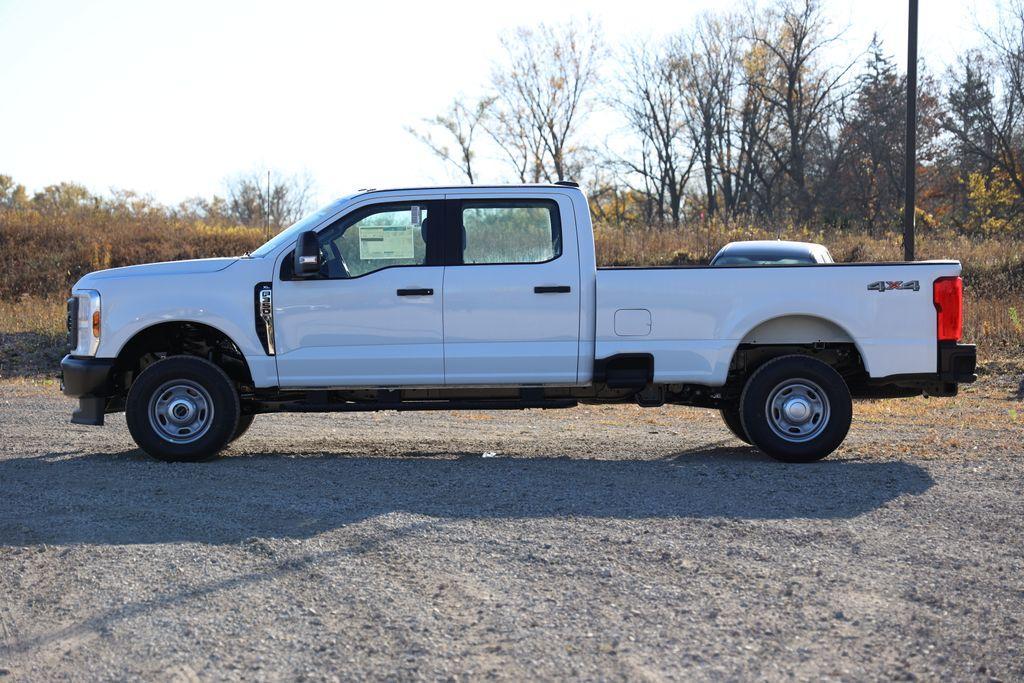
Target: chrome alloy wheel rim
[181, 411]
[797, 410]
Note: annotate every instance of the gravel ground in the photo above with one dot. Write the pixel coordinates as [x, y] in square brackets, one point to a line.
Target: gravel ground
[595, 543]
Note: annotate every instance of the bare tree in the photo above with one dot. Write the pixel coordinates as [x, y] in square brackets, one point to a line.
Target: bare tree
[262, 198]
[969, 113]
[709, 62]
[871, 181]
[460, 124]
[804, 93]
[214, 210]
[543, 97]
[738, 120]
[652, 101]
[753, 173]
[607, 194]
[512, 129]
[12, 195]
[985, 103]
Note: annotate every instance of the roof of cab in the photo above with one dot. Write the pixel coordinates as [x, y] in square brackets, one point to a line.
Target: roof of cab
[560, 184]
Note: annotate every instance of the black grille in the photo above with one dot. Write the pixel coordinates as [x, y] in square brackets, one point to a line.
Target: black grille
[72, 323]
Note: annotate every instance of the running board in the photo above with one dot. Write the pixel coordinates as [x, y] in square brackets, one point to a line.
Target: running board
[370, 406]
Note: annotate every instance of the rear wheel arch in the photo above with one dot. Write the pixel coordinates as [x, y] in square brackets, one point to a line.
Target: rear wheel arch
[797, 334]
[844, 357]
[797, 329]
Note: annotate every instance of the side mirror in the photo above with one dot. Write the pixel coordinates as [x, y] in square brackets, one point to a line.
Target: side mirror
[307, 254]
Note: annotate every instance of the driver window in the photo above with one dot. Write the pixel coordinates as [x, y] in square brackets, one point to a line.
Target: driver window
[379, 237]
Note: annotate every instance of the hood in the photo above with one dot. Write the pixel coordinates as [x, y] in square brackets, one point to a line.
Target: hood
[191, 267]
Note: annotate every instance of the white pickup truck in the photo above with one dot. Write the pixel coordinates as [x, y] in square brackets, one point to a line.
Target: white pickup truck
[489, 298]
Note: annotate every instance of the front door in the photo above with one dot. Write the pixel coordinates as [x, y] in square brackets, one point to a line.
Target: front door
[511, 291]
[373, 314]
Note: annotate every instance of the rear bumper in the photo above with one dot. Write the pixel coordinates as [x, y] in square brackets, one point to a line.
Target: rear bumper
[957, 364]
[88, 380]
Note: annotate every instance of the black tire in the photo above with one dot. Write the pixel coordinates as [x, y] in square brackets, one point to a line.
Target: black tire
[244, 422]
[801, 397]
[182, 409]
[732, 420]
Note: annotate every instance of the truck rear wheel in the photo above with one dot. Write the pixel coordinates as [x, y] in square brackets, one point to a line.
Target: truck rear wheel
[796, 409]
[732, 420]
[183, 409]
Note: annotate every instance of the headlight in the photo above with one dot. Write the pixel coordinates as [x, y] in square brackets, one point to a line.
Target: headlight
[86, 339]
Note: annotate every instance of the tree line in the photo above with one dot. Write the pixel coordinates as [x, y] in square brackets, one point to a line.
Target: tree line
[747, 114]
[257, 199]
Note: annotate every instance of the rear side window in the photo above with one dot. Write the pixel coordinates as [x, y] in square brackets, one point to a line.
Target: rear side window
[510, 231]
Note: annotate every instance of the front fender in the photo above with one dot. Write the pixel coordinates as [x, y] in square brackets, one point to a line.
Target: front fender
[222, 300]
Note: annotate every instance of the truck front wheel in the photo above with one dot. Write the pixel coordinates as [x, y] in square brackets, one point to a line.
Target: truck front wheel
[182, 408]
[244, 422]
[796, 409]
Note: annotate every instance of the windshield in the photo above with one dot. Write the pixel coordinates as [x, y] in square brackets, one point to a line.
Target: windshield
[304, 224]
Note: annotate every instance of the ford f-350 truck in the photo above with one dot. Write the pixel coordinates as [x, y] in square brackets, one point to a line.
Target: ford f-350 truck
[490, 298]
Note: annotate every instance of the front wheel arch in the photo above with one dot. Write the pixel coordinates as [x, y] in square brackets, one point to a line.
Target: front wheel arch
[180, 338]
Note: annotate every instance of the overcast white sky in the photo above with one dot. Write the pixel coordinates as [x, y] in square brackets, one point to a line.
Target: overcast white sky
[171, 98]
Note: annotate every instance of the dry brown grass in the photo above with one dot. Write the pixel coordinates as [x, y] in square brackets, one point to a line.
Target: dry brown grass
[43, 254]
[31, 336]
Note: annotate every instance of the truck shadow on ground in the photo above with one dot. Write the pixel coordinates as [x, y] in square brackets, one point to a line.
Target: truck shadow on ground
[126, 498]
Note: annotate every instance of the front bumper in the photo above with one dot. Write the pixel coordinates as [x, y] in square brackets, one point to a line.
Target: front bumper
[89, 380]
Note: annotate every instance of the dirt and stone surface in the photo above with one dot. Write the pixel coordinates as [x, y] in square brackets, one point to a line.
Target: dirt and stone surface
[594, 543]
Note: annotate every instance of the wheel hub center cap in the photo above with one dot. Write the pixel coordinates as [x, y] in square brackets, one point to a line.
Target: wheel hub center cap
[181, 410]
[797, 410]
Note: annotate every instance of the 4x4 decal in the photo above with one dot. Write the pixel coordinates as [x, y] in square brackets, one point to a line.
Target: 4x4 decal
[885, 285]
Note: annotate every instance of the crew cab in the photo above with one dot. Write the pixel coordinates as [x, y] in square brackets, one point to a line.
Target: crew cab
[490, 298]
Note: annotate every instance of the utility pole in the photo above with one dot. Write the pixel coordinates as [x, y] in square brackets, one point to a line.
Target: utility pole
[910, 166]
[266, 218]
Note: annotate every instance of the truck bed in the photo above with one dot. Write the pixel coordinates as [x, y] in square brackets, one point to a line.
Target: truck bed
[692, 318]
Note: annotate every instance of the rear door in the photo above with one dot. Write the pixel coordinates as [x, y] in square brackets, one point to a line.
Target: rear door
[511, 290]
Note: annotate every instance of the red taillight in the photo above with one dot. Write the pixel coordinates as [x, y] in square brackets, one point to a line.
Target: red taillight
[949, 303]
